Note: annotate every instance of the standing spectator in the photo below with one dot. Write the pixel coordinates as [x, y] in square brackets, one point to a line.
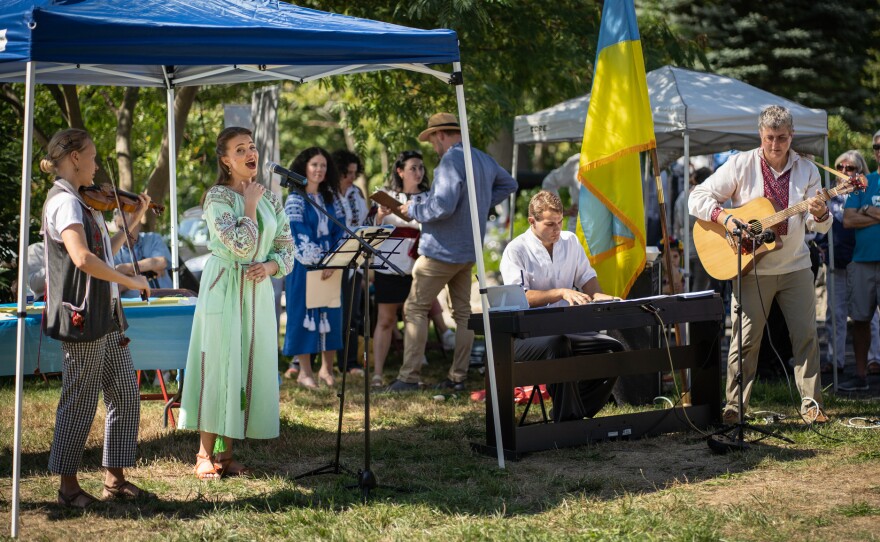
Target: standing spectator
[153, 257]
[862, 213]
[407, 183]
[351, 201]
[83, 311]
[446, 248]
[231, 385]
[565, 176]
[851, 163]
[774, 171]
[311, 330]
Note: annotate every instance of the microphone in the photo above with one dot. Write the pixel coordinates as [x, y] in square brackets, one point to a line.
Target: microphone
[767, 236]
[287, 177]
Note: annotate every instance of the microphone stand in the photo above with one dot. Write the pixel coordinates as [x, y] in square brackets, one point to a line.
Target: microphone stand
[732, 437]
[366, 479]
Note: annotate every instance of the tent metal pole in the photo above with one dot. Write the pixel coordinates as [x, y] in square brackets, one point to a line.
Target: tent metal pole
[829, 282]
[686, 219]
[512, 201]
[481, 268]
[23, 238]
[172, 186]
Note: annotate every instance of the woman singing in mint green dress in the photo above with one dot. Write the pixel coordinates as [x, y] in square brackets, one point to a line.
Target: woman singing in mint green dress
[231, 384]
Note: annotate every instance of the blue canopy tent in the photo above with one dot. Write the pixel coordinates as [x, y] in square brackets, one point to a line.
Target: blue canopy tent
[177, 43]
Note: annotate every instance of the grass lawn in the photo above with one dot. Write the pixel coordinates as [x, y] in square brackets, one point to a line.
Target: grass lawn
[826, 486]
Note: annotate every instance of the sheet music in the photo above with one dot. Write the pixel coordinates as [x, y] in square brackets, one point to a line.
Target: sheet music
[348, 246]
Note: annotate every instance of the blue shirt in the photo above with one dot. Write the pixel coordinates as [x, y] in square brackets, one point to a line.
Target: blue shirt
[867, 239]
[445, 214]
[148, 245]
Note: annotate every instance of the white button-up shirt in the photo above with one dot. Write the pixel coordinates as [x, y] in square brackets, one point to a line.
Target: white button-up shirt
[526, 262]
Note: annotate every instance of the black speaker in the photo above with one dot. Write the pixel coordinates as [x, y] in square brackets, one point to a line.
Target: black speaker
[640, 389]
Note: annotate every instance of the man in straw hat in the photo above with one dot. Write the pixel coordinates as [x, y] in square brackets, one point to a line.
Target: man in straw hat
[446, 248]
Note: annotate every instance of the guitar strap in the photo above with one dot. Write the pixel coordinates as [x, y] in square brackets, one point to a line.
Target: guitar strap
[776, 188]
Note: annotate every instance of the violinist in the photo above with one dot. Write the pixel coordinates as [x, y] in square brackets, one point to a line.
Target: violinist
[83, 311]
[150, 253]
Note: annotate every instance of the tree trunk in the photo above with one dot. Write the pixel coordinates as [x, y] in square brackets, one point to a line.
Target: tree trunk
[157, 186]
[124, 116]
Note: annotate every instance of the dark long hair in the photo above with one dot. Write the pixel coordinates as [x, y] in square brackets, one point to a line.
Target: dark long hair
[223, 176]
[395, 182]
[330, 186]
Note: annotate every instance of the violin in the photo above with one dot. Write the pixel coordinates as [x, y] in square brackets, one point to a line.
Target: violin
[104, 198]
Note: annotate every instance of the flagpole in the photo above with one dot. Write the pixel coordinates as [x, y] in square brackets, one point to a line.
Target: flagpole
[667, 263]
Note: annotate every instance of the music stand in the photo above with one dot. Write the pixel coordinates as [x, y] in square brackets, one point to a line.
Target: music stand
[732, 437]
[351, 252]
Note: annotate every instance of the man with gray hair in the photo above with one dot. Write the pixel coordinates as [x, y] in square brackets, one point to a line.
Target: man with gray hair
[776, 172]
[862, 213]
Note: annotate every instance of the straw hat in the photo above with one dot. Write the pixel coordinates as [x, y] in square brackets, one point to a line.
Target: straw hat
[440, 121]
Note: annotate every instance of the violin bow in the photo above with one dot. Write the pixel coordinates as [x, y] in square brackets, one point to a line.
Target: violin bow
[125, 229]
[832, 171]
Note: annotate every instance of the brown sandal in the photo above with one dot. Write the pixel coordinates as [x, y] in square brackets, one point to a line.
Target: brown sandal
[126, 490]
[80, 499]
[205, 468]
[231, 467]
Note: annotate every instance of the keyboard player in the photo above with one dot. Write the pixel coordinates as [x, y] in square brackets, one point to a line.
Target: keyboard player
[552, 267]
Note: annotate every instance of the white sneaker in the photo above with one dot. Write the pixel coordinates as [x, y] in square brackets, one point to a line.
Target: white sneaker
[448, 340]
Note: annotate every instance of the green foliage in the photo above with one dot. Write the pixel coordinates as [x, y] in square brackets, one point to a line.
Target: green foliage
[815, 53]
[516, 57]
[842, 138]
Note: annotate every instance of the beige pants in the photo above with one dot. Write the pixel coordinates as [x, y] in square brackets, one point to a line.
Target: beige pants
[429, 278]
[796, 296]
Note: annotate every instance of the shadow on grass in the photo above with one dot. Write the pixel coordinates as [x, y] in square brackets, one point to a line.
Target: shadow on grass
[420, 448]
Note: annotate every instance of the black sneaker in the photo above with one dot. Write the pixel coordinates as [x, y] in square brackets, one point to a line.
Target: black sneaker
[450, 385]
[856, 383]
[400, 386]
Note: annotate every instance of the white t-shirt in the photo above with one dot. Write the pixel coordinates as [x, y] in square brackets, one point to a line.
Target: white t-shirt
[66, 210]
[526, 262]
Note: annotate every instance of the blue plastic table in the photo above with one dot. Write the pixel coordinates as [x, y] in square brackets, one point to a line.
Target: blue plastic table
[159, 332]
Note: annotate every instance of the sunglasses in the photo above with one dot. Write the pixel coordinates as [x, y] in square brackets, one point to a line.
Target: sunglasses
[848, 169]
[876, 146]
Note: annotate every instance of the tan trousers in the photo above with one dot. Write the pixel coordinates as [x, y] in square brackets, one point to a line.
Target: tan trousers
[429, 278]
[796, 295]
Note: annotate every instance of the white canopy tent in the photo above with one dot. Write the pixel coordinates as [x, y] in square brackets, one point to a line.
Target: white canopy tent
[196, 42]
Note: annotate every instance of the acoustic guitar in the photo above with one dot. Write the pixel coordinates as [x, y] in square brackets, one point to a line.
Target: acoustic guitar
[717, 249]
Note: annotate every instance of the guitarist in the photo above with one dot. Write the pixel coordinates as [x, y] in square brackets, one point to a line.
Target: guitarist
[773, 171]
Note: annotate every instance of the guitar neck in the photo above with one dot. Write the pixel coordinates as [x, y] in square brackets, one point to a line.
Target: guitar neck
[797, 209]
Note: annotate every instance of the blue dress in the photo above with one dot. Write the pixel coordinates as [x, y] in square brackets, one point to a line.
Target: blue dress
[313, 235]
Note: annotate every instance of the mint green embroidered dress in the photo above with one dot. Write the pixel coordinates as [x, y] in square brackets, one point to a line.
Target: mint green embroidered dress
[231, 380]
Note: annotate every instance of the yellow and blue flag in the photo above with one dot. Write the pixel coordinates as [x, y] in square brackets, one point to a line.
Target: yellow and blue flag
[619, 126]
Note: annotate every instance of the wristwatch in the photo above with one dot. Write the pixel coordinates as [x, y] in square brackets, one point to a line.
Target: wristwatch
[864, 209]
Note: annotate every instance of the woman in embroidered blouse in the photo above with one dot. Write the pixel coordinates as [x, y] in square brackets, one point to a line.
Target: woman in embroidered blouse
[84, 313]
[350, 200]
[312, 330]
[408, 182]
[231, 384]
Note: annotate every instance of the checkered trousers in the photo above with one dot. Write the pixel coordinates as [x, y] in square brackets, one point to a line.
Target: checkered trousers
[89, 367]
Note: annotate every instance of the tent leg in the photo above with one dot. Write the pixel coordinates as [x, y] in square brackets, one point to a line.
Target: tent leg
[481, 268]
[23, 238]
[172, 186]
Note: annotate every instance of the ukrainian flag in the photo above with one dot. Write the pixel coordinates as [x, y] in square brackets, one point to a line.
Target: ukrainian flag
[619, 126]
